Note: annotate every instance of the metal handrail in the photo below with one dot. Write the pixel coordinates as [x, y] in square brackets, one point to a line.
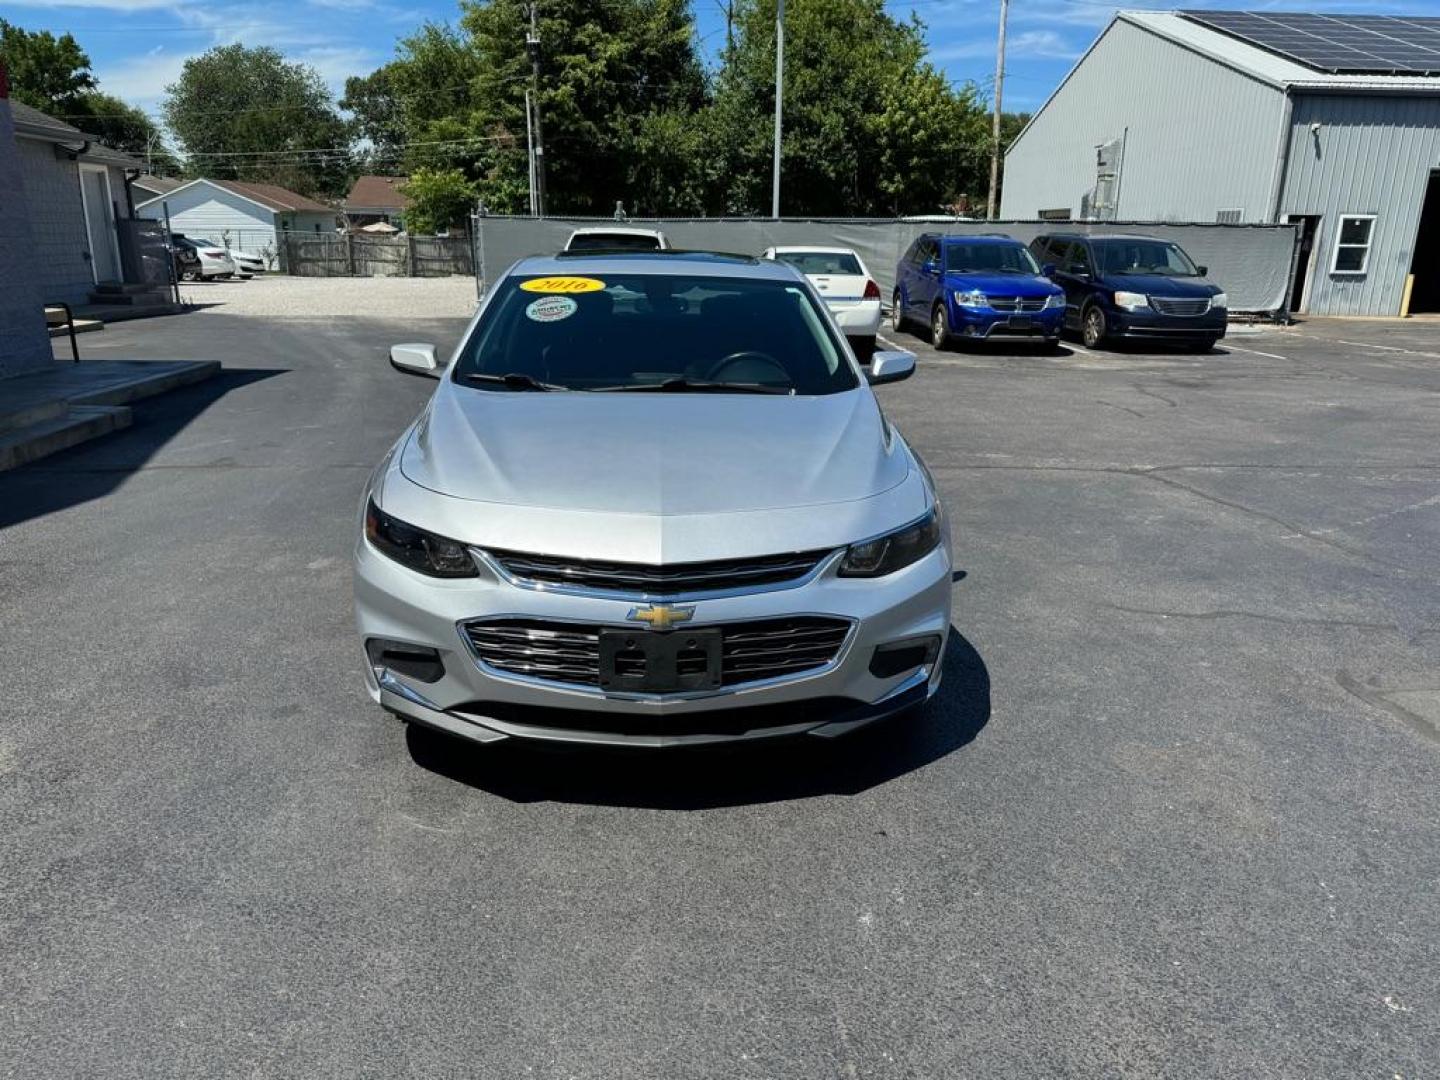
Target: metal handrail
[69, 322]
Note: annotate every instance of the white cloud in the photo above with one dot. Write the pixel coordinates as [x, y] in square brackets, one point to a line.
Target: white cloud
[1026, 45]
[141, 80]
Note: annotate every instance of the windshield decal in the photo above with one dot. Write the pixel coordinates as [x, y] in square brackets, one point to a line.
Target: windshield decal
[551, 309]
[563, 284]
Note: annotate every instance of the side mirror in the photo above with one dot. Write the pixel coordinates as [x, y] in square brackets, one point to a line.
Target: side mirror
[417, 358]
[1204, 270]
[1048, 270]
[889, 366]
[931, 266]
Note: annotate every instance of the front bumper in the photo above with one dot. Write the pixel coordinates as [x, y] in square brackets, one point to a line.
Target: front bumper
[1151, 324]
[483, 705]
[981, 323]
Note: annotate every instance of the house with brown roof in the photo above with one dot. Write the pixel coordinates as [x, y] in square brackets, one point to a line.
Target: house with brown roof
[238, 215]
[375, 199]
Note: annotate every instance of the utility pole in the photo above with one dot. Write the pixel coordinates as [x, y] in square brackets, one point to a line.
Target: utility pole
[532, 45]
[779, 100]
[729, 9]
[995, 124]
[530, 151]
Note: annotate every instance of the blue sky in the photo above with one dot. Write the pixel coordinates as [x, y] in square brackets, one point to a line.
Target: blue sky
[138, 46]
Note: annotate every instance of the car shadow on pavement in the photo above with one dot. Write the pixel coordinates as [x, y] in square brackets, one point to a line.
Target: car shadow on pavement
[706, 777]
[94, 469]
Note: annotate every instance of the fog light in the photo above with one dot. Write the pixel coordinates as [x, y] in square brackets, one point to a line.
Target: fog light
[416, 662]
[898, 657]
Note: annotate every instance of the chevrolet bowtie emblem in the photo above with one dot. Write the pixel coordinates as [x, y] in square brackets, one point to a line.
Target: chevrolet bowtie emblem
[661, 616]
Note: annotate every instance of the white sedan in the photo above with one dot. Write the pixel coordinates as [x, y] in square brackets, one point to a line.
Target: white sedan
[616, 238]
[852, 295]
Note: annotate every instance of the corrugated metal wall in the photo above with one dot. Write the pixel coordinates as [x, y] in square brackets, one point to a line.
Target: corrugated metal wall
[1202, 137]
[1372, 155]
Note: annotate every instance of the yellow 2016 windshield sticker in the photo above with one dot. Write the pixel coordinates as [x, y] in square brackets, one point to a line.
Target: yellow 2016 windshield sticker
[563, 285]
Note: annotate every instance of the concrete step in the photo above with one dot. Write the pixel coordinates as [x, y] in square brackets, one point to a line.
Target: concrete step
[82, 326]
[15, 417]
[109, 313]
[79, 423]
[122, 288]
[143, 298]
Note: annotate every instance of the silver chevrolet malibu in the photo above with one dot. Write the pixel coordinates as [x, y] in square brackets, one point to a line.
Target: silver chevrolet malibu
[652, 501]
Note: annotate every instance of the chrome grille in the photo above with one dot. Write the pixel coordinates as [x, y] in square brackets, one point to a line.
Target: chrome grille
[570, 653]
[1017, 303]
[1180, 305]
[643, 579]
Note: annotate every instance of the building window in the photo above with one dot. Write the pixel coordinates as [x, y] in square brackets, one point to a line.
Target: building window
[1352, 246]
[1230, 217]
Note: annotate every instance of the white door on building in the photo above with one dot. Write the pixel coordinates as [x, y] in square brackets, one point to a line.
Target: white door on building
[100, 223]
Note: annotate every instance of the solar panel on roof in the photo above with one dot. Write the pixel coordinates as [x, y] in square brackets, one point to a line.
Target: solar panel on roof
[1338, 44]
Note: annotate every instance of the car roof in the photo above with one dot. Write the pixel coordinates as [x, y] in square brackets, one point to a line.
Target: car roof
[782, 249]
[672, 262]
[1100, 236]
[615, 230]
[975, 238]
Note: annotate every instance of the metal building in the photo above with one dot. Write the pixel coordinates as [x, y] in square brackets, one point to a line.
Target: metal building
[1331, 123]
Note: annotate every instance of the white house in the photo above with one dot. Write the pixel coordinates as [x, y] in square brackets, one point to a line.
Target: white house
[243, 216]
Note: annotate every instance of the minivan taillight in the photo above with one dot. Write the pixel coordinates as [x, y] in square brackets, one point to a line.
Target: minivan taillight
[872, 291]
[212, 254]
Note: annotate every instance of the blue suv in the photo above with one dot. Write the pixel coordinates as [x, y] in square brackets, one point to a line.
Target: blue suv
[971, 288]
[1133, 287]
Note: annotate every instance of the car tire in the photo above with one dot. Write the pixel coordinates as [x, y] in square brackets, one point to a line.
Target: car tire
[864, 348]
[1093, 327]
[940, 328]
[187, 275]
[1206, 344]
[897, 313]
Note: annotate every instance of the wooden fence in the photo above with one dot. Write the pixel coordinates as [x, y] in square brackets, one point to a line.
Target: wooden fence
[361, 255]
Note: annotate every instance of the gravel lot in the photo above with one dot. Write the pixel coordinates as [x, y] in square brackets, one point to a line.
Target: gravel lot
[1175, 814]
[279, 297]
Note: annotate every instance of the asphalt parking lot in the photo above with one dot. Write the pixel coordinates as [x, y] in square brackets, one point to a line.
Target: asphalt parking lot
[1176, 812]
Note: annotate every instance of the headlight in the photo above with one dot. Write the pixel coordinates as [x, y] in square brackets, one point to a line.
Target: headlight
[1219, 300]
[894, 551]
[973, 298]
[423, 551]
[1131, 301]
[1055, 300]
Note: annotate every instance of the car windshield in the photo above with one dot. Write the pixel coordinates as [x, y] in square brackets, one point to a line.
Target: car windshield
[653, 332]
[989, 259]
[821, 262]
[612, 242]
[1144, 257]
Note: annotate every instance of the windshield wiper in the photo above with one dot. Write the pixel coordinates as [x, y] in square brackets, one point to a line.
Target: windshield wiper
[680, 385]
[513, 380]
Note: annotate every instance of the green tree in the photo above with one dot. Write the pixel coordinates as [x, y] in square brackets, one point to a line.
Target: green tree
[439, 199]
[248, 114]
[46, 72]
[53, 75]
[870, 127]
[618, 79]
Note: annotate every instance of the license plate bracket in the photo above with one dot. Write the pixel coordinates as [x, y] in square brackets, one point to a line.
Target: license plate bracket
[1021, 322]
[644, 661]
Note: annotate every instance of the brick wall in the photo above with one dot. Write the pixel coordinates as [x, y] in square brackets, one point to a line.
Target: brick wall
[57, 222]
[24, 341]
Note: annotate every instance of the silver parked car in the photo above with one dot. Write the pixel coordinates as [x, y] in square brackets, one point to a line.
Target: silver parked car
[652, 501]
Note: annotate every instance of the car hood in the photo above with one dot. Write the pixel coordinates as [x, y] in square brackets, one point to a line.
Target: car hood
[1002, 284]
[652, 453]
[1162, 284]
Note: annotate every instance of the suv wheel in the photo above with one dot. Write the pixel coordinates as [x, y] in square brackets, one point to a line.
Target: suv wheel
[939, 327]
[1092, 327]
[897, 313]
